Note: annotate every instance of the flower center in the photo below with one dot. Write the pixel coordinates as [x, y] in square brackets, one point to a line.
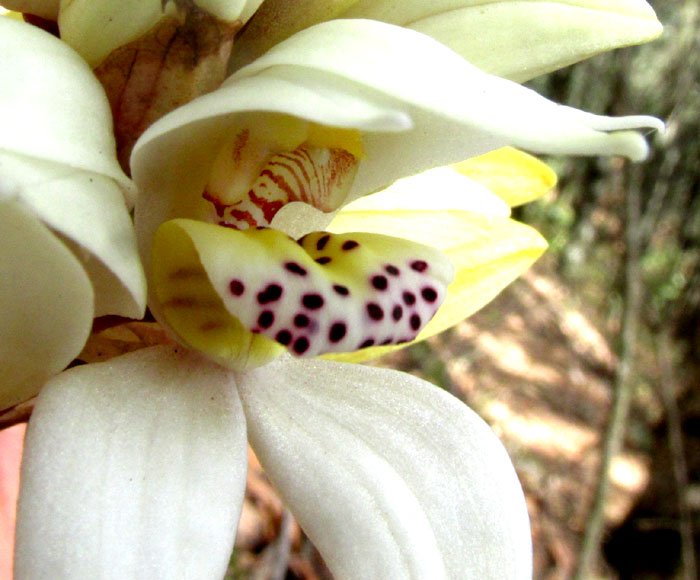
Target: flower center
[266, 165]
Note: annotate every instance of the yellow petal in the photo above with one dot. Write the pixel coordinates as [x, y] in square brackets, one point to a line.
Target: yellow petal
[487, 251]
[514, 176]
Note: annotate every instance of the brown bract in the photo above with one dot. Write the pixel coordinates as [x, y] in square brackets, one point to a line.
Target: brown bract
[184, 56]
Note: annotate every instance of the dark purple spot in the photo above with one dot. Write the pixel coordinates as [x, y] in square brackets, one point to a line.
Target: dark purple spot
[270, 294]
[366, 343]
[385, 342]
[295, 268]
[301, 320]
[312, 301]
[380, 282]
[375, 311]
[266, 319]
[429, 294]
[415, 321]
[409, 298]
[237, 287]
[393, 270]
[301, 345]
[419, 265]
[403, 340]
[397, 313]
[323, 260]
[284, 337]
[342, 290]
[337, 332]
[349, 245]
[322, 241]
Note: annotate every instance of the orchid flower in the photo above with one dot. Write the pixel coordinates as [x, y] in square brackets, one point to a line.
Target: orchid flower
[514, 39]
[389, 476]
[69, 250]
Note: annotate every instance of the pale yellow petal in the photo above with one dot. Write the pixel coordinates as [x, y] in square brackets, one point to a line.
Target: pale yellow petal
[512, 175]
[488, 252]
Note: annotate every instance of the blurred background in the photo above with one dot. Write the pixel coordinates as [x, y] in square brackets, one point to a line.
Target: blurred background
[587, 367]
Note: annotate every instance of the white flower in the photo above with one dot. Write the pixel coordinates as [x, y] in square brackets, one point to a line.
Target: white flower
[389, 476]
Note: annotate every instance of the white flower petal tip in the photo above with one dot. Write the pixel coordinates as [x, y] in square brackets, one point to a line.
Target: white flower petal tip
[390, 476]
[70, 123]
[133, 468]
[45, 304]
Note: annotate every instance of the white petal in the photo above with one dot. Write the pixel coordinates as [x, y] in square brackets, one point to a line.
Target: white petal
[89, 210]
[134, 468]
[457, 110]
[390, 476]
[230, 9]
[413, 10]
[53, 107]
[45, 305]
[45, 8]
[521, 39]
[97, 27]
[515, 39]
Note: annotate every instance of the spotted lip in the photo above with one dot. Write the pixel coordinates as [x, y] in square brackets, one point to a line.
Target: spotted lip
[233, 293]
[307, 309]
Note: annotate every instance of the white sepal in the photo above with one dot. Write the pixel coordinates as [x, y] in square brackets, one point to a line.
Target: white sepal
[88, 211]
[390, 476]
[134, 468]
[46, 304]
[520, 39]
[53, 107]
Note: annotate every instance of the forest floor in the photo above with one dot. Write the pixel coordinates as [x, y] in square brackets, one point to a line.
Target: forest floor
[535, 366]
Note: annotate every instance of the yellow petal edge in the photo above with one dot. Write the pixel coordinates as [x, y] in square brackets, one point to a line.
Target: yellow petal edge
[515, 176]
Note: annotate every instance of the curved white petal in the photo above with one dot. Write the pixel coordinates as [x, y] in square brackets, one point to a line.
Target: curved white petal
[88, 210]
[390, 476]
[457, 110]
[134, 468]
[53, 107]
[45, 305]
